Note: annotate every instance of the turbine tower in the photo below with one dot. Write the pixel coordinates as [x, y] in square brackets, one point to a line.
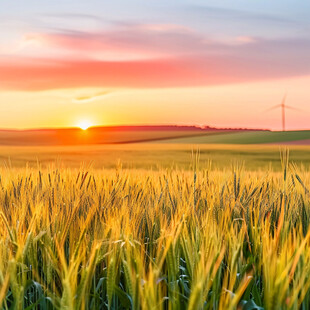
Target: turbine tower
[283, 107]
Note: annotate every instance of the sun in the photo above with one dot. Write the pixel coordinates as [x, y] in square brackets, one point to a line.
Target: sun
[84, 124]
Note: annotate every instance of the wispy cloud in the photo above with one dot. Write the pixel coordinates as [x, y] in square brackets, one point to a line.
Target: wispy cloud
[239, 14]
[125, 41]
[79, 16]
[91, 97]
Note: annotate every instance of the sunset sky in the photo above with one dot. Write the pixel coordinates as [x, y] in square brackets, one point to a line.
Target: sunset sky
[204, 62]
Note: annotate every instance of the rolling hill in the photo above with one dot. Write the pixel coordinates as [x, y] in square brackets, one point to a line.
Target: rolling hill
[104, 135]
[150, 134]
[248, 137]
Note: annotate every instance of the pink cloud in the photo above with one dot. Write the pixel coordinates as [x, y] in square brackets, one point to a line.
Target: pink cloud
[124, 42]
[178, 72]
[150, 56]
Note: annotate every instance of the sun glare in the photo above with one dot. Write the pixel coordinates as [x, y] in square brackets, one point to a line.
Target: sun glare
[84, 125]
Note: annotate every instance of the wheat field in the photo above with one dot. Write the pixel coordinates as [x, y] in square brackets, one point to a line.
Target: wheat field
[166, 239]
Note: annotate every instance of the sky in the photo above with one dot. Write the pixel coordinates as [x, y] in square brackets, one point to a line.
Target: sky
[219, 63]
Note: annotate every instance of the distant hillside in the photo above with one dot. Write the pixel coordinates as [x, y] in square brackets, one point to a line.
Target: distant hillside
[151, 134]
[249, 137]
[170, 128]
[108, 135]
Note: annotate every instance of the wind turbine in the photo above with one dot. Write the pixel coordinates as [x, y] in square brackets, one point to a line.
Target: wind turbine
[283, 107]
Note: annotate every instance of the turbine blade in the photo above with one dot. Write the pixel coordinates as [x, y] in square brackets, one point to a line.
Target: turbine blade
[284, 99]
[292, 108]
[273, 108]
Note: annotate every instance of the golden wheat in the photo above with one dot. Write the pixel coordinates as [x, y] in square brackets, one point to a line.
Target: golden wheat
[170, 239]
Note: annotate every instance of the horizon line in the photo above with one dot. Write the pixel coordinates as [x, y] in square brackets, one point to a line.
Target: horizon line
[193, 126]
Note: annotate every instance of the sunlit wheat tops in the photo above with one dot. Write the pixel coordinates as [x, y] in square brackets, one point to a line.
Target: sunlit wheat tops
[129, 239]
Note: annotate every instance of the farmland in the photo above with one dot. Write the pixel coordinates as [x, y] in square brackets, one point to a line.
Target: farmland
[100, 135]
[149, 134]
[121, 238]
[152, 156]
[157, 225]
